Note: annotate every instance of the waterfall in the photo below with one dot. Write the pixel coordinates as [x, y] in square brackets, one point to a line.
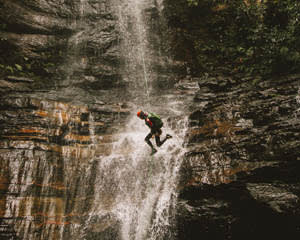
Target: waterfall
[135, 46]
[137, 189]
[92, 130]
[75, 57]
[141, 188]
[69, 174]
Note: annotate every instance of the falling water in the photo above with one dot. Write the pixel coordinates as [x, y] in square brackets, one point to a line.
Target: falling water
[135, 46]
[92, 130]
[136, 190]
[139, 190]
[74, 59]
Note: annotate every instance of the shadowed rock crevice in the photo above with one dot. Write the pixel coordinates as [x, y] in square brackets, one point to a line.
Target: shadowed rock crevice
[233, 212]
[240, 178]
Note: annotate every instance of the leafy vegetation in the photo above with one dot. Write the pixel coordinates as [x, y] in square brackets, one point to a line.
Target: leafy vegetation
[42, 64]
[239, 36]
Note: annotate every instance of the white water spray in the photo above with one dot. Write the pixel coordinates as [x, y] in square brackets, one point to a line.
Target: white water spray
[140, 190]
[135, 44]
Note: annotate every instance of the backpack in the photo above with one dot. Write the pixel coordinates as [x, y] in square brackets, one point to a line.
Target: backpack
[155, 119]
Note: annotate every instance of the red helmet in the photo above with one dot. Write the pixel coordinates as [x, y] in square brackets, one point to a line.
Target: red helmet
[141, 114]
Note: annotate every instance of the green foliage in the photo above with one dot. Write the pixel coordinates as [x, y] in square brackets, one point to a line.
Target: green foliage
[192, 2]
[10, 68]
[14, 62]
[19, 67]
[36, 63]
[245, 36]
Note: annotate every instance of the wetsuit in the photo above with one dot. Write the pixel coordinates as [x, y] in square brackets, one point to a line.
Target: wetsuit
[155, 124]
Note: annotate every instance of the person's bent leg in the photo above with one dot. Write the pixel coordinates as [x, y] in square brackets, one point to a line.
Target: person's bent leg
[157, 138]
[159, 142]
[147, 140]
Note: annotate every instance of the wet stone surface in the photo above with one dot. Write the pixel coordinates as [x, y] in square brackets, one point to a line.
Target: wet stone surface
[49, 154]
[240, 177]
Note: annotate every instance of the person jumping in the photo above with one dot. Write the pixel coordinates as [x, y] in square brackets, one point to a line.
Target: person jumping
[155, 124]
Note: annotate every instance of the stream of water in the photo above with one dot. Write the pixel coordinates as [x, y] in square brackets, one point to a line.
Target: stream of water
[135, 47]
[141, 188]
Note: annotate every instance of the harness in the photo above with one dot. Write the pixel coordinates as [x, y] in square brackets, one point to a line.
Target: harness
[155, 121]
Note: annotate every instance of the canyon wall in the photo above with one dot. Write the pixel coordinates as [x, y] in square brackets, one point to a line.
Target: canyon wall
[53, 138]
[64, 99]
[240, 174]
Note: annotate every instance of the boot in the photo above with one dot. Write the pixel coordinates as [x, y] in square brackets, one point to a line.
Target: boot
[168, 136]
[153, 151]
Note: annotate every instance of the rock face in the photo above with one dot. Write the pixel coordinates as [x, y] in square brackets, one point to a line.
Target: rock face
[48, 167]
[63, 99]
[240, 175]
[59, 110]
[55, 39]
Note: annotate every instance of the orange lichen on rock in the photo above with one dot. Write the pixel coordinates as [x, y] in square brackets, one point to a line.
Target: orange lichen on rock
[80, 138]
[225, 128]
[207, 129]
[64, 116]
[23, 130]
[220, 7]
[4, 183]
[42, 113]
[216, 128]
[61, 112]
[57, 185]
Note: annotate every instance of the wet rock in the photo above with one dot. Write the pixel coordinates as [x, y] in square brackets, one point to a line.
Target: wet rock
[240, 173]
[247, 122]
[49, 154]
[105, 228]
[7, 231]
[239, 177]
[8, 86]
[234, 211]
[43, 37]
[19, 79]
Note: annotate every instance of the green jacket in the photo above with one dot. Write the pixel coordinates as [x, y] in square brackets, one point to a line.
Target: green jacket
[155, 121]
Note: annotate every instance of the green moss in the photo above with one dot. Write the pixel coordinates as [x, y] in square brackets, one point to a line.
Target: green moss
[259, 39]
